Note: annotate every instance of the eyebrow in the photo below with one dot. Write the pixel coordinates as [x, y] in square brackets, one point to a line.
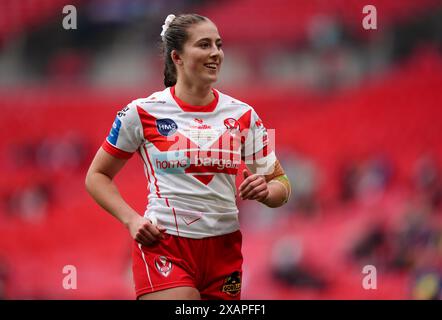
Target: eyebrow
[208, 39]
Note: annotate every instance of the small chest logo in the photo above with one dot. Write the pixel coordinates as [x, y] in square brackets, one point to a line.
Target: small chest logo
[166, 127]
[163, 265]
[231, 124]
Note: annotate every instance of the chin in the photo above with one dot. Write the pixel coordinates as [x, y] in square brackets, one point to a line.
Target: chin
[211, 79]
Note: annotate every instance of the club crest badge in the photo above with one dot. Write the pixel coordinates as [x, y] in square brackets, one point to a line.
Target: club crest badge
[232, 125]
[163, 265]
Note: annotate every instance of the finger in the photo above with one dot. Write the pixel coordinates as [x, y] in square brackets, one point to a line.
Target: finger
[146, 234]
[153, 230]
[162, 231]
[140, 238]
[252, 192]
[156, 231]
[252, 185]
[245, 174]
[246, 182]
[158, 227]
[261, 196]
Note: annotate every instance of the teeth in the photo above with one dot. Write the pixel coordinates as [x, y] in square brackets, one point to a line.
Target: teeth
[211, 65]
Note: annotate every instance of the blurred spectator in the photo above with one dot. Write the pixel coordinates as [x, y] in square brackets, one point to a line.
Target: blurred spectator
[427, 285]
[427, 274]
[304, 175]
[324, 32]
[364, 180]
[63, 153]
[414, 237]
[374, 178]
[23, 155]
[415, 244]
[287, 265]
[428, 181]
[4, 278]
[373, 247]
[348, 179]
[30, 203]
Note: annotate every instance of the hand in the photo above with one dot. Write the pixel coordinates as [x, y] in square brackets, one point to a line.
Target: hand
[143, 231]
[254, 187]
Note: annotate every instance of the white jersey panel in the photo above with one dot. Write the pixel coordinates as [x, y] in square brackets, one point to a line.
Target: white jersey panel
[191, 159]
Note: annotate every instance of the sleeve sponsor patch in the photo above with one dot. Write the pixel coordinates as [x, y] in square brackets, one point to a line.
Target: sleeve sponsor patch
[114, 132]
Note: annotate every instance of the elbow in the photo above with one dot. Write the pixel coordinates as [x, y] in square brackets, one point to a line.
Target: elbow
[275, 202]
[94, 181]
[275, 205]
[88, 182]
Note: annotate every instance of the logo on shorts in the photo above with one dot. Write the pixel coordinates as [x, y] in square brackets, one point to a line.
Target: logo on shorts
[166, 127]
[163, 265]
[232, 284]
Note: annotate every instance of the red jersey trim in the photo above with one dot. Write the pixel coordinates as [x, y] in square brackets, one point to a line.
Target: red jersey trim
[210, 169]
[190, 108]
[114, 151]
[162, 143]
[153, 174]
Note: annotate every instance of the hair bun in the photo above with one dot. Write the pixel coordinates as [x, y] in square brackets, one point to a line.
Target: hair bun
[166, 24]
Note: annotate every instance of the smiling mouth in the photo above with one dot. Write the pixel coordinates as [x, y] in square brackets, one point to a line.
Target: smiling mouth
[211, 66]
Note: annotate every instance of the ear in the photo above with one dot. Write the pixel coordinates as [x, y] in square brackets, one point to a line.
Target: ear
[176, 58]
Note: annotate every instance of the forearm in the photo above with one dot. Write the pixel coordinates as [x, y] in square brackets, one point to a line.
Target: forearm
[106, 194]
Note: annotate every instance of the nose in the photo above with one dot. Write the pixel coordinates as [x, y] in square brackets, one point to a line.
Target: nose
[215, 52]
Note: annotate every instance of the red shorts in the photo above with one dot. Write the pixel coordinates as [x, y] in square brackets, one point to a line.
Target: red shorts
[212, 265]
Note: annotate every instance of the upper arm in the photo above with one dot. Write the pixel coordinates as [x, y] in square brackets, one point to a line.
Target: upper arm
[258, 148]
[106, 164]
[125, 137]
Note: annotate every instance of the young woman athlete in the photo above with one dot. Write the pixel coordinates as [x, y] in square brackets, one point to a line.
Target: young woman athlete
[191, 138]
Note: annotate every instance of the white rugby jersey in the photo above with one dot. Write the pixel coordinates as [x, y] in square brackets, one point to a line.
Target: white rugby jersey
[191, 156]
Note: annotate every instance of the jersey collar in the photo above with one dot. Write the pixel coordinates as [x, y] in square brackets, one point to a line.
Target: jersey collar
[190, 108]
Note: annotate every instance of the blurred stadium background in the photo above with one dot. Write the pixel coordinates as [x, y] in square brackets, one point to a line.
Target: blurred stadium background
[358, 120]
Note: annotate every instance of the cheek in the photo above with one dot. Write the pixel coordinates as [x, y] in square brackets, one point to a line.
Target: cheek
[194, 69]
[195, 61]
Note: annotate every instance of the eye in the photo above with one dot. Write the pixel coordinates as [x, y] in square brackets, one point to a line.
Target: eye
[205, 45]
[219, 45]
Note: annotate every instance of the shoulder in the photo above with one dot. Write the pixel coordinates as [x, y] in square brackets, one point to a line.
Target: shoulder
[151, 102]
[227, 100]
[239, 105]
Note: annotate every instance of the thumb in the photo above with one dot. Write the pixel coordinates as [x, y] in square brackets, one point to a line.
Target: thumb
[245, 174]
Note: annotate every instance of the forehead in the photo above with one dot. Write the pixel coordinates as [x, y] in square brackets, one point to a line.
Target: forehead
[205, 29]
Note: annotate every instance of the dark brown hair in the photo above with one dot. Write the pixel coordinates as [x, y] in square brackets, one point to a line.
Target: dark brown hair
[174, 39]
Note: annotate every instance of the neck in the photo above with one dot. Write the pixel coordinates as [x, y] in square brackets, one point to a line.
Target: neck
[193, 94]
